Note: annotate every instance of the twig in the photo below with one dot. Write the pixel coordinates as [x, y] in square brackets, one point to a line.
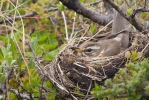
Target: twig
[101, 30]
[74, 20]
[31, 14]
[7, 80]
[88, 91]
[114, 35]
[141, 9]
[127, 2]
[130, 18]
[41, 89]
[17, 17]
[65, 23]
[145, 48]
[21, 95]
[8, 76]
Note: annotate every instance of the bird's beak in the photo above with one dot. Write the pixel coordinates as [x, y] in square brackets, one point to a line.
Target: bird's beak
[77, 49]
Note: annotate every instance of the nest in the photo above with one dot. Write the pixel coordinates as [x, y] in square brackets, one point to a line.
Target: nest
[70, 72]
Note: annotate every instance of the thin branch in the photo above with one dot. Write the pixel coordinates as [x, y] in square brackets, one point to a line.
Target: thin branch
[88, 91]
[127, 3]
[31, 14]
[65, 23]
[21, 95]
[141, 9]
[8, 76]
[130, 18]
[17, 17]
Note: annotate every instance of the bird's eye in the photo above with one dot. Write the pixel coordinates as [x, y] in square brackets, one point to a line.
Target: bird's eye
[89, 50]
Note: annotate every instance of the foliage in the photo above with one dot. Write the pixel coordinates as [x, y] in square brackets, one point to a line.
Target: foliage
[130, 83]
[28, 38]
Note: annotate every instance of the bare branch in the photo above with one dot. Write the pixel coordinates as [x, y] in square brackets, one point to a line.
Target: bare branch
[141, 9]
[8, 76]
[87, 12]
[21, 95]
[130, 18]
[31, 14]
[9, 19]
[108, 7]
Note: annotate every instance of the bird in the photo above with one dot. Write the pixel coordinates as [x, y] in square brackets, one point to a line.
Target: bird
[109, 47]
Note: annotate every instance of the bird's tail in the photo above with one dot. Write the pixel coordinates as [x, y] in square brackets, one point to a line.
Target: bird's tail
[119, 24]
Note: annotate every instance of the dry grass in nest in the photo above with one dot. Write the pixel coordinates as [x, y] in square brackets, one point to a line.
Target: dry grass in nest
[70, 72]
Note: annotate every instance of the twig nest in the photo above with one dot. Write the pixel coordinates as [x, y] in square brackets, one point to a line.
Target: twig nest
[71, 72]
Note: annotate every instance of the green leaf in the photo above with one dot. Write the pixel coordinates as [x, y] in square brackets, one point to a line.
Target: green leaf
[13, 83]
[92, 28]
[13, 48]
[29, 54]
[130, 66]
[43, 38]
[50, 56]
[48, 84]
[129, 11]
[144, 15]
[108, 82]
[51, 44]
[1, 55]
[61, 7]
[19, 61]
[39, 51]
[34, 43]
[71, 14]
[145, 63]
[21, 11]
[52, 35]
[2, 38]
[134, 55]
[31, 64]
[2, 77]
[4, 51]
[11, 61]
[97, 88]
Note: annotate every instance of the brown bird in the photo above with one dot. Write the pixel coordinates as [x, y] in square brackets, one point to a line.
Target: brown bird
[109, 47]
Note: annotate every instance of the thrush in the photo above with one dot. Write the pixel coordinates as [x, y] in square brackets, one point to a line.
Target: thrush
[109, 47]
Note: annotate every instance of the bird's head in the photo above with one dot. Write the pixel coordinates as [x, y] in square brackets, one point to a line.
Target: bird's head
[91, 49]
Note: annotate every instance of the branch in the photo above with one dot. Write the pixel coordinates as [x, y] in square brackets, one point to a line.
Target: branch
[130, 18]
[8, 76]
[141, 9]
[31, 14]
[87, 12]
[108, 7]
[9, 19]
[21, 95]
